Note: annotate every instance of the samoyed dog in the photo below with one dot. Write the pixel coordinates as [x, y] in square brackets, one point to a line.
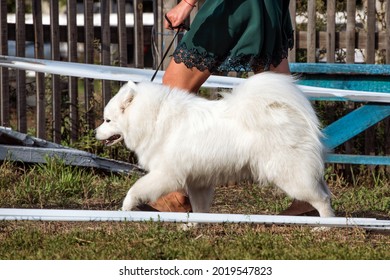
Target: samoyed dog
[265, 131]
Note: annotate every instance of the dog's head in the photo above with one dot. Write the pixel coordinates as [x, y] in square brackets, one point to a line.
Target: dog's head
[111, 130]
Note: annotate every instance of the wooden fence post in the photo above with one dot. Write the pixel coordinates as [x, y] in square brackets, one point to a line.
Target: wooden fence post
[105, 46]
[55, 79]
[388, 33]
[292, 56]
[39, 77]
[157, 32]
[311, 31]
[72, 57]
[371, 22]
[370, 137]
[4, 74]
[138, 34]
[350, 58]
[330, 31]
[89, 58]
[122, 35]
[20, 74]
[351, 22]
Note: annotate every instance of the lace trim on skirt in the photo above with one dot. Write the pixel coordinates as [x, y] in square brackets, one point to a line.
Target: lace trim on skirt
[242, 63]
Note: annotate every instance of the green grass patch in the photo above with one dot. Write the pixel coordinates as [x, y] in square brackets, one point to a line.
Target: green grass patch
[56, 185]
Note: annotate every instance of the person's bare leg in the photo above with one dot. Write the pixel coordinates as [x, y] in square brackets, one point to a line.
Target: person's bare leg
[178, 75]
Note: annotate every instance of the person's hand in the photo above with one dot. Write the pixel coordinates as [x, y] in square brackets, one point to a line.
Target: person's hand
[178, 14]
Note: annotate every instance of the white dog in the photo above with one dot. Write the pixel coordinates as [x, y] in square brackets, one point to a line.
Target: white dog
[265, 131]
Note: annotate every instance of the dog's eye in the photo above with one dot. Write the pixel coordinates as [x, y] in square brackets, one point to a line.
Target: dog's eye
[107, 120]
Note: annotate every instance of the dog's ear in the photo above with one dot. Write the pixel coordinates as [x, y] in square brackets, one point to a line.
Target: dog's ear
[127, 102]
[128, 92]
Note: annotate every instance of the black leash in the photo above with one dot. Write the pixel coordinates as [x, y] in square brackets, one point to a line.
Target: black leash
[179, 28]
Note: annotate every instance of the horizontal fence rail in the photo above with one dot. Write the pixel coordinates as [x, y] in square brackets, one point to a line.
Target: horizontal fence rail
[113, 73]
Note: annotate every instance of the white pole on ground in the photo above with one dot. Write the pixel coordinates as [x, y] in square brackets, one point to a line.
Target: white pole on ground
[13, 214]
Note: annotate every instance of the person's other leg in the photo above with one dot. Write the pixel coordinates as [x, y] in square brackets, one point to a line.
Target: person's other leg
[282, 68]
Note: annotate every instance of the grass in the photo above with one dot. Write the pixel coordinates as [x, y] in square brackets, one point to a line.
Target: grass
[55, 185]
[38, 240]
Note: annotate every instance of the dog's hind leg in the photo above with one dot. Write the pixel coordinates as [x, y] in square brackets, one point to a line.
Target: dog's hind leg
[149, 188]
[315, 193]
[201, 198]
[323, 202]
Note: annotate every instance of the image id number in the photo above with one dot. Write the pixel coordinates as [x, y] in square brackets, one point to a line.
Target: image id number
[250, 270]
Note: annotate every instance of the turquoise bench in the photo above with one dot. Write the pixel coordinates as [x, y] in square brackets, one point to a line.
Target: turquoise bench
[362, 77]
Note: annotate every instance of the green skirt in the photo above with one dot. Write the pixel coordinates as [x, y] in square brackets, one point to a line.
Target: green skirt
[237, 35]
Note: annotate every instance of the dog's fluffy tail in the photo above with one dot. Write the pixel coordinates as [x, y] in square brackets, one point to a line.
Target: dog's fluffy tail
[274, 88]
[271, 89]
[277, 99]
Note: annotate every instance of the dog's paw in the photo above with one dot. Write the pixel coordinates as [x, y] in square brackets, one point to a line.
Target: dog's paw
[124, 208]
[128, 204]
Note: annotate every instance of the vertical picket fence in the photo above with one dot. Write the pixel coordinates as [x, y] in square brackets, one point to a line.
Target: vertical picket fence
[72, 101]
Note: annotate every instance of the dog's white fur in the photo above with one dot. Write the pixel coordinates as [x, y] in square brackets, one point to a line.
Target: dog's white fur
[265, 131]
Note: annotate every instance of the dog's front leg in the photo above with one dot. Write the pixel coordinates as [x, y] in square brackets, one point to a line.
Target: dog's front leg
[149, 188]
